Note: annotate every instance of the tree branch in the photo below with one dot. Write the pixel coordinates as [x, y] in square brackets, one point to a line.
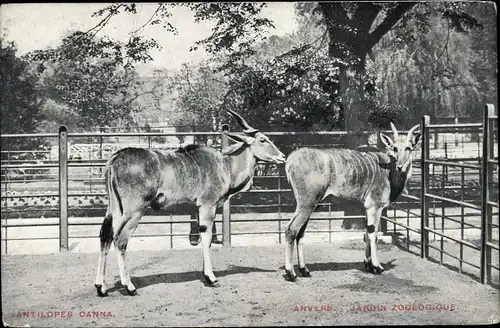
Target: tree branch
[149, 20]
[103, 22]
[304, 47]
[333, 12]
[390, 20]
[365, 14]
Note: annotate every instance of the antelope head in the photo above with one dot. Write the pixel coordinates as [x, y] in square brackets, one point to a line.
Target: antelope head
[401, 151]
[259, 144]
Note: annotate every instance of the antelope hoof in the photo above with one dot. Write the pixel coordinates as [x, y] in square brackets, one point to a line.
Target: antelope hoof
[194, 240]
[216, 241]
[377, 269]
[131, 292]
[290, 276]
[100, 293]
[210, 283]
[369, 267]
[305, 272]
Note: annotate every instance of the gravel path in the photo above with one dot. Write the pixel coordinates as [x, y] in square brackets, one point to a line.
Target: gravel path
[253, 291]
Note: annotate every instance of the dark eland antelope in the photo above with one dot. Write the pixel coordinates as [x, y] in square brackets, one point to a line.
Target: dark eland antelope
[375, 179]
[137, 178]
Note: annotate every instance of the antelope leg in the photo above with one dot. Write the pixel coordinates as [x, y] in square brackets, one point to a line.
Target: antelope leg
[373, 218]
[207, 215]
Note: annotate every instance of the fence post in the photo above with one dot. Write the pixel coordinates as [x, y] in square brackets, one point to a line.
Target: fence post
[149, 137]
[101, 129]
[445, 167]
[280, 170]
[226, 208]
[63, 188]
[383, 222]
[424, 168]
[7, 184]
[489, 212]
[487, 175]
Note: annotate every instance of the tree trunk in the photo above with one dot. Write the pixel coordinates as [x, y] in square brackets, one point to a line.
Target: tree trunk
[350, 40]
[351, 82]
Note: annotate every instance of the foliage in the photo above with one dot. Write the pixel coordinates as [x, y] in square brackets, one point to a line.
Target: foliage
[485, 61]
[287, 89]
[79, 46]
[356, 30]
[157, 139]
[427, 66]
[200, 91]
[380, 115]
[55, 115]
[93, 77]
[236, 25]
[20, 102]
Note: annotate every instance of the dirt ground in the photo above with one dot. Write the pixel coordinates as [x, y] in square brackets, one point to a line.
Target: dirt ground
[253, 292]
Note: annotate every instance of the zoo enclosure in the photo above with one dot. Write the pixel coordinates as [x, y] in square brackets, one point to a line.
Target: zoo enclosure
[443, 174]
[458, 205]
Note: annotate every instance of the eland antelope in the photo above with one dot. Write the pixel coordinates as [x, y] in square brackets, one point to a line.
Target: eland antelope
[375, 179]
[137, 178]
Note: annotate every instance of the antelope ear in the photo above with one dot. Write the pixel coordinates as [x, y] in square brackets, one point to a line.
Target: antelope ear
[386, 140]
[240, 138]
[232, 148]
[416, 140]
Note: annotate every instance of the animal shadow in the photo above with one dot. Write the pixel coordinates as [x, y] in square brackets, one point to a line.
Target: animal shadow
[339, 266]
[178, 277]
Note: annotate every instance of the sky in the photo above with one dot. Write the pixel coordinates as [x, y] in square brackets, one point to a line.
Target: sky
[40, 25]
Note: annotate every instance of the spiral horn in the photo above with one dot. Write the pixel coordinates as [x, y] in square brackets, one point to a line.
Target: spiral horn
[246, 127]
[394, 130]
[410, 133]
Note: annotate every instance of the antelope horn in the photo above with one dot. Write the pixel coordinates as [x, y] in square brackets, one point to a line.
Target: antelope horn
[394, 130]
[410, 133]
[246, 127]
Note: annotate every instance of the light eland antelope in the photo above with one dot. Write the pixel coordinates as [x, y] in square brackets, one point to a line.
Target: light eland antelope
[137, 178]
[375, 179]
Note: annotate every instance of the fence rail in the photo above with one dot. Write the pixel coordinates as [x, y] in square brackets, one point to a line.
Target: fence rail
[445, 180]
[484, 171]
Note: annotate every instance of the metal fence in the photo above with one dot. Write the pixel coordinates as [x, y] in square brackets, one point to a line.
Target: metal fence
[447, 199]
[457, 223]
[474, 214]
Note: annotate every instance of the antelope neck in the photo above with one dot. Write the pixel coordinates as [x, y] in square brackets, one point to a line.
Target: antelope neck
[242, 168]
[397, 180]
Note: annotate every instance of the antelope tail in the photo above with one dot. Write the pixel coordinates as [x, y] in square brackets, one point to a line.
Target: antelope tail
[106, 233]
[287, 171]
[112, 189]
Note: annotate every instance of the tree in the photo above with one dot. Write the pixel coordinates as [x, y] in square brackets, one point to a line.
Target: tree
[288, 92]
[437, 72]
[353, 30]
[485, 65]
[20, 102]
[95, 78]
[55, 115]
[200, 92]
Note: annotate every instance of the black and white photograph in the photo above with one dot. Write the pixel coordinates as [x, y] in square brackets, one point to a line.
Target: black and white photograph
[207, 164]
